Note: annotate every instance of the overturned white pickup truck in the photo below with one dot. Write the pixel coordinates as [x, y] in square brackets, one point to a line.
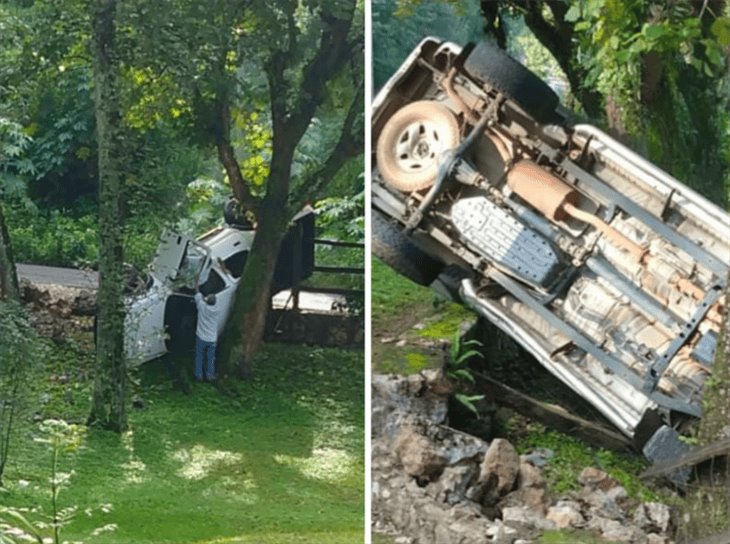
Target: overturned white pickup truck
[606, 269]
[161, 316]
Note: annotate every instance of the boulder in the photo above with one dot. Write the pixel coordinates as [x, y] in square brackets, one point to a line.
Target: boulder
[596, 479]
[654, 517]
[566, 514]
[452, 484]
[616, 531]
[531, 489]
[522, 517]
[419, 456]
[601, 504]
[501, 459]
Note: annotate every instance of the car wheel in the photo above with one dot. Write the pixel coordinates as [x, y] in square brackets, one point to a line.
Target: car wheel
[234, 215]
[487, 63]
[412, 142]
[394, 248]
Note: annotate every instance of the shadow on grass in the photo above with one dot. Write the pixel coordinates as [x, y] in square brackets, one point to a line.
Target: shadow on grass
[284, 457]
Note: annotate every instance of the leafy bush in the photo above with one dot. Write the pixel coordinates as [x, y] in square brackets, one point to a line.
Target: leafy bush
[52, 238]
[19, 350]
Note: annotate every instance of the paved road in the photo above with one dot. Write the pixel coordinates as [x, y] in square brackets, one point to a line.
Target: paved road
[71, 277]
[68, 277]
[310, 302]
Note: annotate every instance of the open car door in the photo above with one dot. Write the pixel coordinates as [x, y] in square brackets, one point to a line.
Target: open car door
[170, 254]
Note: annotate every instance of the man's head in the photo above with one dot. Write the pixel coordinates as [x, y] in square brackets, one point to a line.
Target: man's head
[210, 300]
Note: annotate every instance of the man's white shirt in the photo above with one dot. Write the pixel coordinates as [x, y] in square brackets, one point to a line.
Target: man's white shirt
[207, 329]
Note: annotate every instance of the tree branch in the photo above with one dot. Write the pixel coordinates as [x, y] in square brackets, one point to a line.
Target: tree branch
[558, 40]
[227, 156]
[493, 23]
[333, 53]
[350, 144]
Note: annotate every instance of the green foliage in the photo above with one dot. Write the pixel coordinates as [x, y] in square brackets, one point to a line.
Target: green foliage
[19, 345]
[20, 352]
[661, 68]
[52, 238]
[342, 218]
[450, 322]
[570, 536]
[399, 25]
[32, 524]
[572, 456]
[457, 368]
[14, 162]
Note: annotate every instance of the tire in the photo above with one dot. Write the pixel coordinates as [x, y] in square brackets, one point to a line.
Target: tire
[487, 63]
[234, 216]
[394, 248]
[410, 145]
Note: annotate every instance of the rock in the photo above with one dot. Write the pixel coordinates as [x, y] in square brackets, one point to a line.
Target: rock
[503, 535]
[654, 517]
[395, 398]
[530, 476]
[596, 479]
[539, 457]
[84, 303]
[566, 514]
[452, 484]
[653, 538]
[523, 517]
[501, 459]
[601, 504]
[616, 531]
[617, 493]
[419, 456]
[530, 489]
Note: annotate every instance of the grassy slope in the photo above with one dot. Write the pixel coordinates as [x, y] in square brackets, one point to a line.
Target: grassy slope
[403, 310]
[282, 462]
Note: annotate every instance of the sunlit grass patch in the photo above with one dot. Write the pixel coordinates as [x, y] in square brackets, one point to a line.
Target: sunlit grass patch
[327, 464]
[197, 462]
[206, 467]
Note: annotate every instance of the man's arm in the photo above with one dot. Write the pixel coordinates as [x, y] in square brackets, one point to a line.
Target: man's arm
[223, 266]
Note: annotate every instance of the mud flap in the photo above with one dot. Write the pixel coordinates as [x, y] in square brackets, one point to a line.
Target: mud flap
[296, 256]
[665, 446]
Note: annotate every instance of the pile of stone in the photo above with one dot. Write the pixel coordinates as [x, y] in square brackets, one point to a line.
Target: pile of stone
[58, 311]
[433, 484]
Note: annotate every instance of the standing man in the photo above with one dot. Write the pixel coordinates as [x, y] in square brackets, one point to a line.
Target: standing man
[206, 334]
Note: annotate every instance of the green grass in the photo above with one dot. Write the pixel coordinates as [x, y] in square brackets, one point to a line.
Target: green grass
[572, 537]
[572, 456]
[398, 305]
[395, 298]
[283, 461]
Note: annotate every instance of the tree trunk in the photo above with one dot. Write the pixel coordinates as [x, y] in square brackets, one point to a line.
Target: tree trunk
[8, 277]
[291, 114]
[108, 404]
[246, 324]
[556, 35]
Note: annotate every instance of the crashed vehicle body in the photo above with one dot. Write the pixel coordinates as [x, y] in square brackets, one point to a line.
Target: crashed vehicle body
[161, 315]
[606, 269]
